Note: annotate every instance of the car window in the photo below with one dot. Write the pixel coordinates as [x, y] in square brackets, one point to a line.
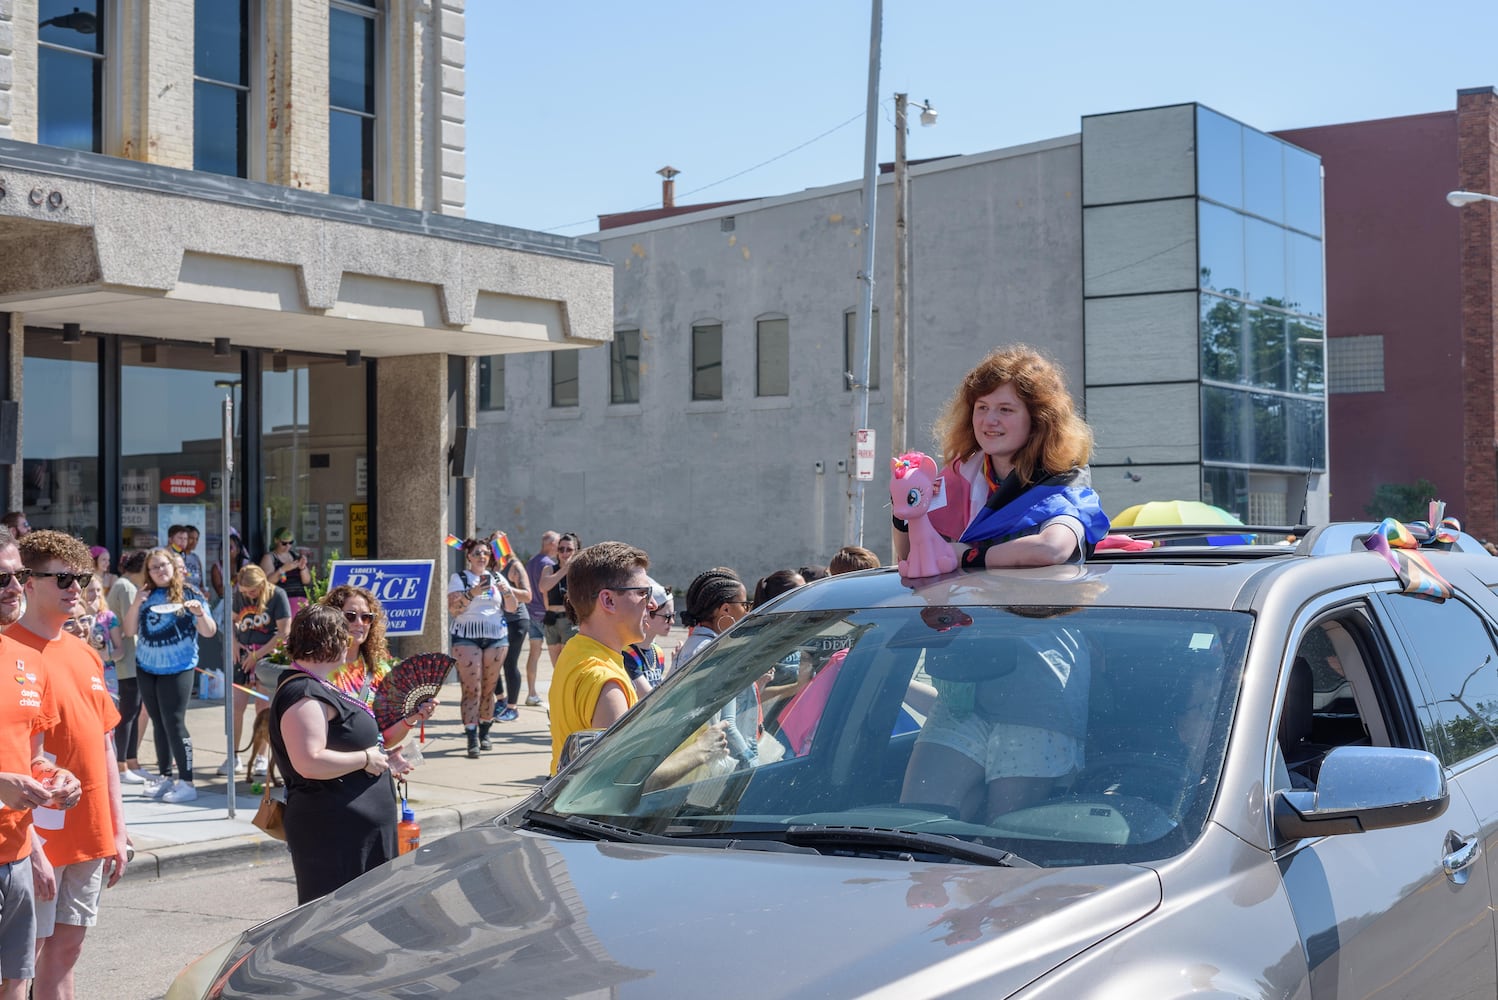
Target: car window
[1458, 675]
[1065, 735]
[1321, 707]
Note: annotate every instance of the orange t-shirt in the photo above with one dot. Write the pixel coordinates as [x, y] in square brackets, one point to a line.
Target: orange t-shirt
[87, 715]
[27, 707]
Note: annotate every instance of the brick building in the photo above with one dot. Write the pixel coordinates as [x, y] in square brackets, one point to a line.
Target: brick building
[259, 199]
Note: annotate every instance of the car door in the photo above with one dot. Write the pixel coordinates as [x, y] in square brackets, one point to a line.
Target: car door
[1377, 911]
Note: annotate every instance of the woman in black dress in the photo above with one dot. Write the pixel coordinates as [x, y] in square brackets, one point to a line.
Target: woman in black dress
[340, 801]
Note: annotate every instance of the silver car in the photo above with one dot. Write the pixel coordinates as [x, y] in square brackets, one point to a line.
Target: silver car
[1242, 771]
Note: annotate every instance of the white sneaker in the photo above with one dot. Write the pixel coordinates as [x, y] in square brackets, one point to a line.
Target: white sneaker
[181, 792]
[146, 777]
[128, 777]
[228, 767]
[158, 788]
[262, 766]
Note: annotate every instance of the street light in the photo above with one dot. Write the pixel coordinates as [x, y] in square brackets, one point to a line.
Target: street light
[1459, 199]
[899, 371]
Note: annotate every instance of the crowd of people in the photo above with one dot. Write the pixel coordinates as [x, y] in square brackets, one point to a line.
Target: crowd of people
[1017, 494]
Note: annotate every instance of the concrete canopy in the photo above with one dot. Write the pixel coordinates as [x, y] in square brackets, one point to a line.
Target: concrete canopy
[138, 249]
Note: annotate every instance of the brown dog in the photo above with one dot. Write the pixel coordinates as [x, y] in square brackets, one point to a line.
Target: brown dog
[260, 744]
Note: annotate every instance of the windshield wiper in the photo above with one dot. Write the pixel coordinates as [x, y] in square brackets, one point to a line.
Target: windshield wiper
[873, 837]
[598, 830]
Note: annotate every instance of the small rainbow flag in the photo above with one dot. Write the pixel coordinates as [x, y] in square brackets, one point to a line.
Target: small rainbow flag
[454, 542]
[501, 545]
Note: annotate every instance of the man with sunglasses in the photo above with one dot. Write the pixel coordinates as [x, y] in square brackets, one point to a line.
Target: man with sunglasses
[610, 594]
[75, 854]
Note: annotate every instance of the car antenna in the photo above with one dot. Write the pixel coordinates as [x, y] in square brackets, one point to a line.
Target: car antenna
[1305, 498]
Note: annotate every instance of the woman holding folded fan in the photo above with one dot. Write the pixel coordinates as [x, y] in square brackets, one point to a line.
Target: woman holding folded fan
[1016, 490]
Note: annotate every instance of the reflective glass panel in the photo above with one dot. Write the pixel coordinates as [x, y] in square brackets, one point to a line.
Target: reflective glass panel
[492, 382]
[563, 378]
[1226, 488]
[624, 367]
[1264, 344]
[707, 362]
[1220, 246]
[350, 155]
[1302, 190]
[1222, 339]
[60, 457]
[850, 338]
[171, 457]
[1263, 175]
[218, 138]
[69, 105]
[1219, 158]
[315, 430]
[221, 36]
[773, 371]
[1306, 434]
[1307, 356]
[1264, 262]
[1455, 652]
[351, 69]
[1307, 289]
[74, 23]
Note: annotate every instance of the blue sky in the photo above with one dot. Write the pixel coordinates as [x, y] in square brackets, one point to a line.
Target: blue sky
[572, 107]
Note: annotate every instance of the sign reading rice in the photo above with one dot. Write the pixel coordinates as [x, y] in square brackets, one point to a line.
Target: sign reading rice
[402, 586]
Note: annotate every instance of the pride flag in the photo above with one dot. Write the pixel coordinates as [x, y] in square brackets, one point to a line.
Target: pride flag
[501, 545]
[454, 542]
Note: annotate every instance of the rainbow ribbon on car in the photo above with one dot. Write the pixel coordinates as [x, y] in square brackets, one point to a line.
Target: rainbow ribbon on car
[1400, 545]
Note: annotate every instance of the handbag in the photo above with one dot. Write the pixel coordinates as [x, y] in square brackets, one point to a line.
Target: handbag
[271, 816]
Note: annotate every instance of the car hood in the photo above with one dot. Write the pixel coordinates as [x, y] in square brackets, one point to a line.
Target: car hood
[497, 912]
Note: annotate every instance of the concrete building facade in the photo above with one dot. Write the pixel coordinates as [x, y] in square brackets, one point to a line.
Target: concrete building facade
[259, 199]
[716, 429]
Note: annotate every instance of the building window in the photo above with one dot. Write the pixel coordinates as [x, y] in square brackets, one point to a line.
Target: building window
[707, 361]
[850, 341]
[1355, 364]
[351, 98]
[624, 367]
[492, 382]
[773, 357]
[221, 87]
[564, 378]
[70, 74]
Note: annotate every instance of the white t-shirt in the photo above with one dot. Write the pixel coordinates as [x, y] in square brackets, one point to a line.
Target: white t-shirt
[484, 618]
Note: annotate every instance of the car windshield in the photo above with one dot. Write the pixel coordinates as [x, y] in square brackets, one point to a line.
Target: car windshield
[1063, 735]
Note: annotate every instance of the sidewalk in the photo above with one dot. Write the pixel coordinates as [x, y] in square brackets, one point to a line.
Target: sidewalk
[448, 791]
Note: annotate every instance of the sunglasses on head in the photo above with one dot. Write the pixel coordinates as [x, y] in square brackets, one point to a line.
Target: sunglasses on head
[359, 616]
[66, 580]
[19, 576]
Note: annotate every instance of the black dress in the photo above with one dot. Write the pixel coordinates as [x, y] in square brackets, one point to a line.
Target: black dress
[340, 828]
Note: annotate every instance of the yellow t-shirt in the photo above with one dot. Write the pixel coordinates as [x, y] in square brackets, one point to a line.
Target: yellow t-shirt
[581, 672]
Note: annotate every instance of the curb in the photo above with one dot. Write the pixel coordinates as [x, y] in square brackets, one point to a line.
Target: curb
[255, 849]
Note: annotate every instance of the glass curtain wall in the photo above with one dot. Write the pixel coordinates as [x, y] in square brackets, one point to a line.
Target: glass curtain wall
[314, 433]
[1262, 319]
[60, 454]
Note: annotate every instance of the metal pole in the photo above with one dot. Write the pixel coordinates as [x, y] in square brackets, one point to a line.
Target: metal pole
[226, 637]
[900, 403]
[854, 532]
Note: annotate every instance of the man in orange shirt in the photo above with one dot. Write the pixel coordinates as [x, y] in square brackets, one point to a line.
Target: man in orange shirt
[27, 711]
[86, 846]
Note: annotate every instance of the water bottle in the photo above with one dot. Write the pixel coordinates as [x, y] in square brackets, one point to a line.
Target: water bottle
[407, 831]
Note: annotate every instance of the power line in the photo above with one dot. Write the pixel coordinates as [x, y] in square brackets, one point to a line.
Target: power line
[724, 180]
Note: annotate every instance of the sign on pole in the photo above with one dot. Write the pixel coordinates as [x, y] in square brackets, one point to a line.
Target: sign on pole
[863, 456]
[402, 585]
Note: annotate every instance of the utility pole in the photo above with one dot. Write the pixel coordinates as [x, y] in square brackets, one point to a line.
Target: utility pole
[900, 402]
[853, 534]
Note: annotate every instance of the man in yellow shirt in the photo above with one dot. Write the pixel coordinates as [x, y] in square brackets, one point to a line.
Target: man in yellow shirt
[609, 595]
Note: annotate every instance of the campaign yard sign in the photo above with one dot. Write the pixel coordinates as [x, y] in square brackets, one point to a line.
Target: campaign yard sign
[402, 585]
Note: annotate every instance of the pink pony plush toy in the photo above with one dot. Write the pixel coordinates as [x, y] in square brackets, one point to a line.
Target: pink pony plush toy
[912, 488]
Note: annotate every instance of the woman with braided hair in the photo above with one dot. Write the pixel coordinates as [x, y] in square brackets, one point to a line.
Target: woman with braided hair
[716, 600]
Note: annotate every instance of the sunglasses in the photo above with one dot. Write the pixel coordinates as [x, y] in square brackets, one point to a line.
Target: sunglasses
[359, 616]
[19, 576]
[668, 616]
[627, 590]
[286, 541]
[66, 580]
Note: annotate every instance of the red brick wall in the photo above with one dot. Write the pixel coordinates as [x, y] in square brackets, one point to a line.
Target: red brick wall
[1393, 267]
[1477, 144]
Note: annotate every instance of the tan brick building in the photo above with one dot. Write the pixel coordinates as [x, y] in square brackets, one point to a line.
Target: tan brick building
[259, 199]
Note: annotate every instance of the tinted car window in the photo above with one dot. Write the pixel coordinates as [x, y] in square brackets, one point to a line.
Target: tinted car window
[1459, 675]
[1120, 716]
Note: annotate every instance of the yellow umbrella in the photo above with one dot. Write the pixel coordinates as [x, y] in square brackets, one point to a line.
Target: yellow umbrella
[1192, 512]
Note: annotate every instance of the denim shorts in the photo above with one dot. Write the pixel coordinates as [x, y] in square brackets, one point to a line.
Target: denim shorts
[533, 628]
[480, 641]
[17, 921]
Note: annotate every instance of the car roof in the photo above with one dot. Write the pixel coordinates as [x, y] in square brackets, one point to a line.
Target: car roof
[1170, 576]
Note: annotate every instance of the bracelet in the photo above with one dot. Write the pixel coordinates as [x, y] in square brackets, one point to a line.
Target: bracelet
[974, 557]
[367, 759]
[901, 526]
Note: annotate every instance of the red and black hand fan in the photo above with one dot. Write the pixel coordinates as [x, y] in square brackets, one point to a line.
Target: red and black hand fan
[409, 683]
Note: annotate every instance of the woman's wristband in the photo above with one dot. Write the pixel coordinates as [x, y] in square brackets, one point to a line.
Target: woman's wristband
[901, 526]
[976, 555]
[367, 759]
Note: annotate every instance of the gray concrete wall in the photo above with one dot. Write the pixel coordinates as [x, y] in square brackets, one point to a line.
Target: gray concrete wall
[996, 258]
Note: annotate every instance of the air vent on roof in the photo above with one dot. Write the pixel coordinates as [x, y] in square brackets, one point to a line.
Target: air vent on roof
[726, 223]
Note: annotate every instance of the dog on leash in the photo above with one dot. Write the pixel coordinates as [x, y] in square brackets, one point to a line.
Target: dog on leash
[260, 745]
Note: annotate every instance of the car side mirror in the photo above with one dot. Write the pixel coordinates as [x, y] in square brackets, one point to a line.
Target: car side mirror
[1364, 788]
[574, 745]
